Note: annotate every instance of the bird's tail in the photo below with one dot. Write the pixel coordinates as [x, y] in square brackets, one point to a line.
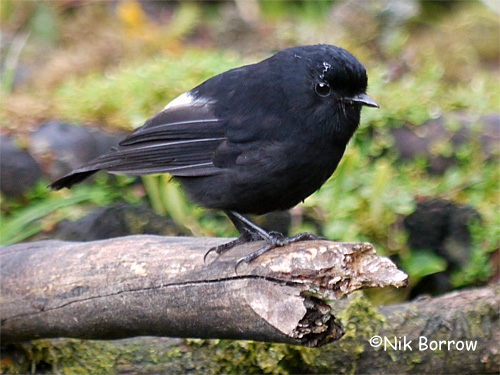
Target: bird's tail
[71, 179]
[78, 175]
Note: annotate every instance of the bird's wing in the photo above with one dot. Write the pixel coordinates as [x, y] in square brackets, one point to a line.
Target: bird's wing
[180, 140]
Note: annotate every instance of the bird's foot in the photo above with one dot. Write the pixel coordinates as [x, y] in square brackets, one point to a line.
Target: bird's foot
[250, 232]
[221, 249]
[275, 240]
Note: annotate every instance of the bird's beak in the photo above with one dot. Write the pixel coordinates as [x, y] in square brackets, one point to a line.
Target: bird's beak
[364, 99]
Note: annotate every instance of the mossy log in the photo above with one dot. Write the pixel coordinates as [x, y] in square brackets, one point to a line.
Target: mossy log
[469, 315]
[160, 286]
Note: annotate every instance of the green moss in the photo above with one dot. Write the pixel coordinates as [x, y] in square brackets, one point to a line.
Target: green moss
[249, 357]
[70, 356]
[65, 357]
[361, 320]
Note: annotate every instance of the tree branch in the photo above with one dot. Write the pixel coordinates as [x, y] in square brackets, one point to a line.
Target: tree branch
[150, 285]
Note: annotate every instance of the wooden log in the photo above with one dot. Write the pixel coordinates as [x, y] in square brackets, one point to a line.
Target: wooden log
[160, 286]
[448, 323]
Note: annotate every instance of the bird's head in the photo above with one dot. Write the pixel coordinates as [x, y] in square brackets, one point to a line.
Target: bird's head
[334, 83]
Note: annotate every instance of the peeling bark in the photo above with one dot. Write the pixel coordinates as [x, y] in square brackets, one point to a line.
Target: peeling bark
[150, 285]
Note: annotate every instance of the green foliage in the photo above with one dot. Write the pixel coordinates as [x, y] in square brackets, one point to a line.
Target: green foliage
[485, 242]
[166, 197]
[421, 263]
[312, 12]
[427, 95]
[362, 200]
[129, 95]
[33, 218]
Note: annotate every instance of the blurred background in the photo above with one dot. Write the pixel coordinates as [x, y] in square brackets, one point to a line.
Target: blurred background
[420, 179]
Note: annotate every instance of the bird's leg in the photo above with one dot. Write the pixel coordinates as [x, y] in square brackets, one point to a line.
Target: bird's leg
[249, 232]
[244, 225]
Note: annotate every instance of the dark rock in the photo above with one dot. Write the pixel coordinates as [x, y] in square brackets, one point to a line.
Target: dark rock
[115, 221]
[428, 225]
[18, 170]
[495, 261]
[490, 136]
[457, 244]
[413, 143]
[61, 147]
[435, 285]
[441, 227]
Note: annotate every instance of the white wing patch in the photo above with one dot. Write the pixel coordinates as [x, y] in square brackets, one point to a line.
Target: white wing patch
[184, 99]
[187, 99]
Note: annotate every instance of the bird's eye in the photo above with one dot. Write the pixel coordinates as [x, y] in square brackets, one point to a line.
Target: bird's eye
[322, 89]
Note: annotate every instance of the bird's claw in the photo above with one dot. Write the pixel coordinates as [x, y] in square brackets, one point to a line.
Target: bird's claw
[220, 249]
[212, 249]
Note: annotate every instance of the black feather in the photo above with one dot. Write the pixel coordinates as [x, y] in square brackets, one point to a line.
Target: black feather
[180, 140]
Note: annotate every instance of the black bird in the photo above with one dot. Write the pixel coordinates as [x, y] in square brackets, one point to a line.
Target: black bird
[252, 140]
